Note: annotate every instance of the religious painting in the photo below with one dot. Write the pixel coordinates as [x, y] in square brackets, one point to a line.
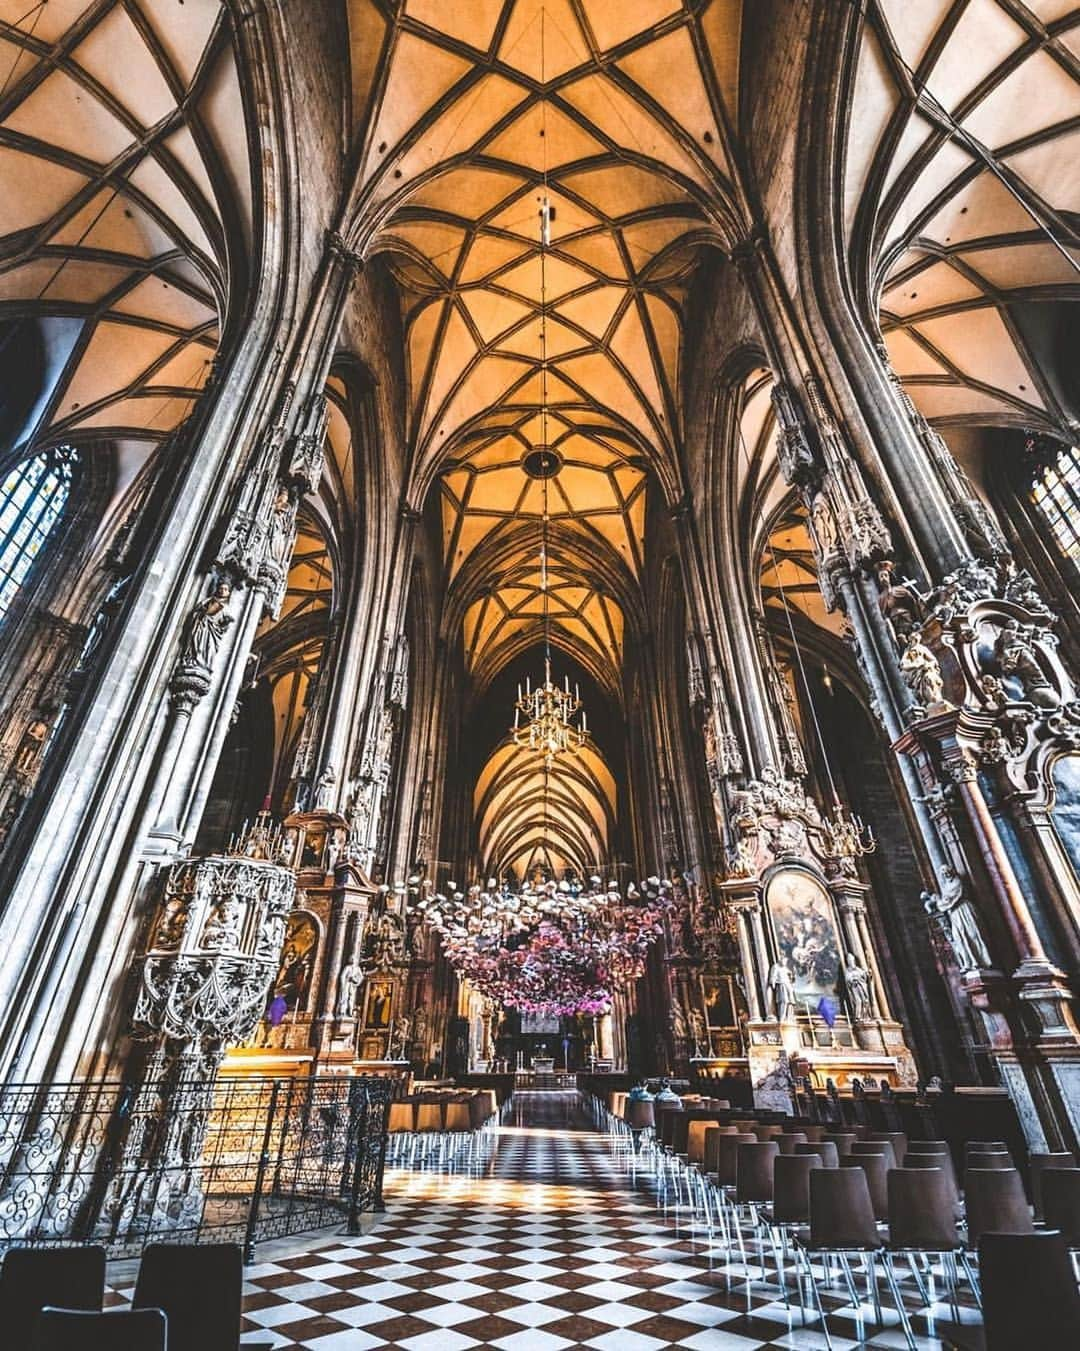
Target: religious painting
[293, 980]
[378, 1005]
[804, 926]
[1066, 814]
[719, 1007]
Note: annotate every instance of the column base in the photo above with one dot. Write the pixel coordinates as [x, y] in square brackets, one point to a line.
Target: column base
[163, 844]
[884, 1037]
[1046, 999]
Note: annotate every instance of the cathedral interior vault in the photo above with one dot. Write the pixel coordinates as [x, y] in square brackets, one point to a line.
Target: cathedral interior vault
[542, 514]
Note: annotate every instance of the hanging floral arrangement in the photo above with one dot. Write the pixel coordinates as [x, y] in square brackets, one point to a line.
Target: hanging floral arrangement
[562, 948]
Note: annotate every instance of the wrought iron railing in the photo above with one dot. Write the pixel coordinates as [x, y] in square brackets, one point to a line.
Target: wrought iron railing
[232, 1160]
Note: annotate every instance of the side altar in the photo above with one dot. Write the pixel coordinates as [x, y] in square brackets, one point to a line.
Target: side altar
[781, 957]
[345, 995]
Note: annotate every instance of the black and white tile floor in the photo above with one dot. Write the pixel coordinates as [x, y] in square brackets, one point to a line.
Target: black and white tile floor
[550, 1248]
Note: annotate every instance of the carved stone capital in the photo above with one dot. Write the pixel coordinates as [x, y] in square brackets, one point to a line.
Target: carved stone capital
[339, 249]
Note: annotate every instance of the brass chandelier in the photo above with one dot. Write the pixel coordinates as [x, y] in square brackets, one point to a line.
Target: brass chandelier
[550, 727]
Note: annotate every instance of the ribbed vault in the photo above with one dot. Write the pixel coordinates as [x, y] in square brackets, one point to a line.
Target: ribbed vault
[541, 187]
[937, 221]
[598, 490]
[529, 817]
[125, 209]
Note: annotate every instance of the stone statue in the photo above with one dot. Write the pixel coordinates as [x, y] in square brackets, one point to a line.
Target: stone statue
[898, 602]
[950, 914]
[222, 929]
[699, 1033]
[420, 1025]
[824, 524]
[1018, 586]
[280, 537]
[171, 925]
[324, 789]
[857, 983]
[678, 1020]
[207, 626]
[1015, 656]
[782, 991]
[922, 672]
[110, 608]
[399, 1038]
[350, 978]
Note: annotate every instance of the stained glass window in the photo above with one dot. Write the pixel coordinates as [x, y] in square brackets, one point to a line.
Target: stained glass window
[1056, 492]
[32, 499]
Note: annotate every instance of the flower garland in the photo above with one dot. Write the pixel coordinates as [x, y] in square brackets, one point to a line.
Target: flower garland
[558, 949]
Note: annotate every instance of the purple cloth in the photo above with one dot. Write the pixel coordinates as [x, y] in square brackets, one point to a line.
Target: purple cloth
[276, 1010]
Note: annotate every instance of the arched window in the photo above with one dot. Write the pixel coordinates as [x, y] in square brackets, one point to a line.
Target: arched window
[1055, 490]
[32, 499]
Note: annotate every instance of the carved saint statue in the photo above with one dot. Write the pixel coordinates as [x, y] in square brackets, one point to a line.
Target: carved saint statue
[898, 602]
[420, 1025]
[699, 1033]
[324, 789]
[922, 672]
[170, 928]
[280, 538]
[397, 1045]
[824, 524]
[857, 982]
[222, 929]
[782, 991]
[951, 915]
[678, 1020]
[207, 626]
[1015, 656]
[350, 978]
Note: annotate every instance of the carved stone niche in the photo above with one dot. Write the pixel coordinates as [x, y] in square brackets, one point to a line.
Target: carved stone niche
[774, 820]
[1016, 650]
[213, 950]
[315, 842]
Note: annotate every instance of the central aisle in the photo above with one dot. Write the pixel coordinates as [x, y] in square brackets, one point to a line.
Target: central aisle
[550, 1249]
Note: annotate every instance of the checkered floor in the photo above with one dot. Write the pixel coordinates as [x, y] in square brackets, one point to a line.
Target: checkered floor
[551, 1247]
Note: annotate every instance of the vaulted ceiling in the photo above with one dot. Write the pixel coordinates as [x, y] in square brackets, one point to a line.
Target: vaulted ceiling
[541, 186]
[126, 203]
[530, 817]
[956, 228]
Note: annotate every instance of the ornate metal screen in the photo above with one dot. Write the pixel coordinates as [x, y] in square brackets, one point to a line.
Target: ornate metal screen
[231, 1160]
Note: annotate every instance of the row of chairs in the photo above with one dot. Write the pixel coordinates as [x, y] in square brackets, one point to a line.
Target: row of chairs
[446, 1131]
[815, 1195]
[51, 1299]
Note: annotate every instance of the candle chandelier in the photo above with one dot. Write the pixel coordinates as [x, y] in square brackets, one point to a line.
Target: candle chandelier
[846, 836]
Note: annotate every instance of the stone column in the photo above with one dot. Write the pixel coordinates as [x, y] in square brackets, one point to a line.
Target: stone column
[746, 907]
[128, 765]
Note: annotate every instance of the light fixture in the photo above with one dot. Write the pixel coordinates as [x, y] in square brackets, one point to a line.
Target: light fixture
[845, 835]
[548, 721]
